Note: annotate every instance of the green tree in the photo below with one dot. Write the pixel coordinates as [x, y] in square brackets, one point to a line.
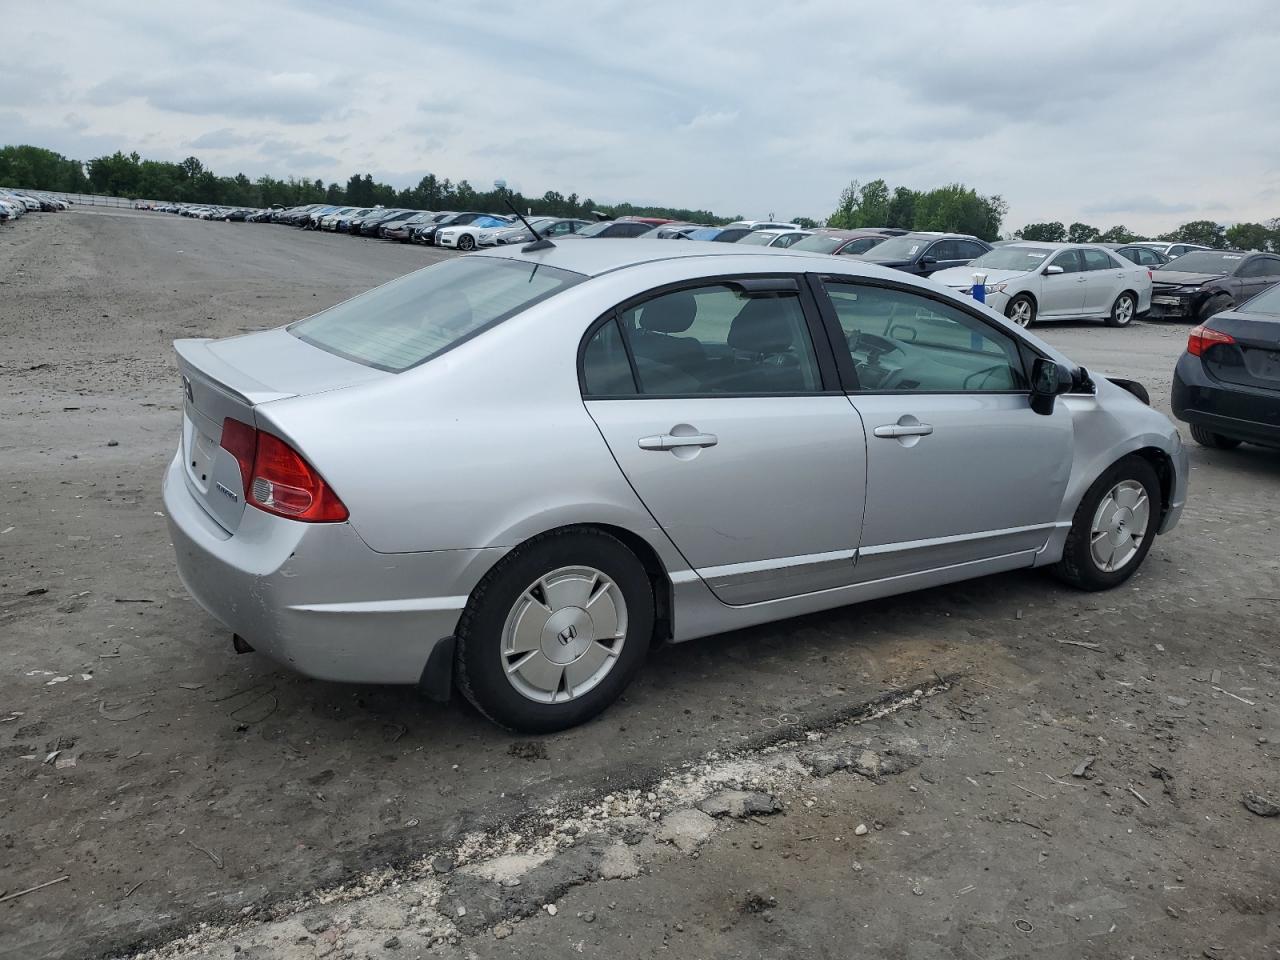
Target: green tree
[1118, 234]
[1052, 232]
[1204, 232]
[1250, 236]
[902, 209]
[804, 223]
[1082, 233]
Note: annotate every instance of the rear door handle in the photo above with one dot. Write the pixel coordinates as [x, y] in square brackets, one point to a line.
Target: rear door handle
[665, 441]
[893, 430]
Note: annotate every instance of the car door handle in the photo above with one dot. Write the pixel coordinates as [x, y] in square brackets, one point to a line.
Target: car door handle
[666, 441]
[891, 431]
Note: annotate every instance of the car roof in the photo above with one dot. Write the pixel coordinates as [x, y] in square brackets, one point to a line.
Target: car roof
[595, 257]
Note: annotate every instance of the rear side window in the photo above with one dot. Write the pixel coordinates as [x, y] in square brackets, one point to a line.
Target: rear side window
[1097, 260]
[421, 315]
[713, 340]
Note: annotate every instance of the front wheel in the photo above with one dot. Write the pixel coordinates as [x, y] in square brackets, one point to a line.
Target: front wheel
[466, 242]
[1122, 311]
[555, 632]
[1021, 310]
[1207, 438]
[1113, 527]
[1215, 305]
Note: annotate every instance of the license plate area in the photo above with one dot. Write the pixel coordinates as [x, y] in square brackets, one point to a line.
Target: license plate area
[201, 451]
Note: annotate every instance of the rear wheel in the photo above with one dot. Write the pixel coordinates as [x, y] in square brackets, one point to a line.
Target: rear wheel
[1113, 527]
[1021, 310]
[1207, 438]
[555, 632]
[466, 242]
[1123, 310]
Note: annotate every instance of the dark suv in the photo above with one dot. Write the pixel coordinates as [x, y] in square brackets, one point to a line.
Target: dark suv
[925, 253]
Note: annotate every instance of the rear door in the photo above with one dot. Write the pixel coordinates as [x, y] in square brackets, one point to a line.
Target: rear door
[1062, 294]
[1104, 280]
[960, 469]
[733, 431]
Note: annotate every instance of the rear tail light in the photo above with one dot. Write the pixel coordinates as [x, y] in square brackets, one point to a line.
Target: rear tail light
[1202, 338]
[276, 479]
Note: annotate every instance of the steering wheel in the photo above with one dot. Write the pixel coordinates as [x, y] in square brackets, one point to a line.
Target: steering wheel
[873, 345]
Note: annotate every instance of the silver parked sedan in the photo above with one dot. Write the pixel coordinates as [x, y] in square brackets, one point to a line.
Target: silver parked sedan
[1029, 281]
[517, 470]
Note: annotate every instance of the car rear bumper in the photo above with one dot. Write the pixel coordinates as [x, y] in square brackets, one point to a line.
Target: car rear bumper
[1234, 410]
[314, 597]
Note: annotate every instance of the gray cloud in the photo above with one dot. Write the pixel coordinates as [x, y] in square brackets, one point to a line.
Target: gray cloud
[1070, 109]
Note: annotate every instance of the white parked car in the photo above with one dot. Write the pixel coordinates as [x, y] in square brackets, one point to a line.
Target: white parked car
[1029, 281]
[482, 231]
[1171, 250]
[774, 238]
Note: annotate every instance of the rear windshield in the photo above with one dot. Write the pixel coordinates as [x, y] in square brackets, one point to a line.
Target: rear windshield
[1267, 302]
[421, 315]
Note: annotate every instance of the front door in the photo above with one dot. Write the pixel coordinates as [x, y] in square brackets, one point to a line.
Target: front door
[1062, 294]
[959, 467]
[713, 404]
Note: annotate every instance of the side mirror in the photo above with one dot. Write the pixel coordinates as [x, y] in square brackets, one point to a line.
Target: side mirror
[928, 261]
[1048, 379]
[1052, 270]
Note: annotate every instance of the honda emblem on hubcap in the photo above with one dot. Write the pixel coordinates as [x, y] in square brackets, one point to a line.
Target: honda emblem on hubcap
[568, 633]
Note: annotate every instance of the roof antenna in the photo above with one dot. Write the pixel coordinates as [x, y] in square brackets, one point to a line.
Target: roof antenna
[539, 242]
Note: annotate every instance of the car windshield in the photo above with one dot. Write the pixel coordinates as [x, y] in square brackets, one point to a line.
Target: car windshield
[897, 248]
[1205, 261]
[1267, 302]
[705, 233]
[759, 238]
[421, 315]
[595, 229]
[1011, 257]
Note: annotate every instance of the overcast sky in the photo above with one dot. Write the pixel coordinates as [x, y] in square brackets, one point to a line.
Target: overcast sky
[1143, 113]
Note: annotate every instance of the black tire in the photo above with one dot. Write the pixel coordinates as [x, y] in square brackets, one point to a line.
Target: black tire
[1207, 438]
[1014, 306]
[478, 667]
[466, 242]
[1077, 566]
[1118, 311]
[1216, 304]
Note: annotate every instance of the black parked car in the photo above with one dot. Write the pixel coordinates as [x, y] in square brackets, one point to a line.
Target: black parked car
[615, 228]
[925, 253]
[1199, 284]
[1136, 253]
[1227, 384]
[372, 226]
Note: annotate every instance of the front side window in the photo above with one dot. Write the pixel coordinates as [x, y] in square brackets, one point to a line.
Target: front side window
[1260, 267]
[944, 250]
[1068, 260]
[422, 314]
[903, 342]
[712, 340]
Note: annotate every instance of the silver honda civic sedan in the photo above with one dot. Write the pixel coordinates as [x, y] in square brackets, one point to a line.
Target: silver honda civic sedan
[515, 471]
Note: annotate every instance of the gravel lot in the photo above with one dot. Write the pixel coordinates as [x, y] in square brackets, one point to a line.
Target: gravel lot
[191, 784]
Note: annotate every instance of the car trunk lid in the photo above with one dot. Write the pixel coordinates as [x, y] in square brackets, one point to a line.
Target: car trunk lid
[1253, 360]
[230, 379]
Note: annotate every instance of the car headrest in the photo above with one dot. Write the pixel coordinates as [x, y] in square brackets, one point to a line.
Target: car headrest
[761, 327]
[673, 313]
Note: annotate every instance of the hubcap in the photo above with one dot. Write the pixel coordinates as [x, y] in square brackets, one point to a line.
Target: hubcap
[564, 634]
[1124, 310]
[1119, 525]
[1021, 313]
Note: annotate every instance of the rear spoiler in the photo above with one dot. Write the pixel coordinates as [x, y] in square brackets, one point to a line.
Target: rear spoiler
[196, 359]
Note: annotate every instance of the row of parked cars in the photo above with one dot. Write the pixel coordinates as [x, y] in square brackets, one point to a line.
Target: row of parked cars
[1029, 281]
[17, 203]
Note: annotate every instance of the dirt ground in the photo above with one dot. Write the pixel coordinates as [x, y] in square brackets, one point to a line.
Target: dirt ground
[174, 783]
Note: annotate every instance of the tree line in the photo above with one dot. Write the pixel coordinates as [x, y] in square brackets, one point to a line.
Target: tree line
[129, 175]
[954, 208]
[1238, 236]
